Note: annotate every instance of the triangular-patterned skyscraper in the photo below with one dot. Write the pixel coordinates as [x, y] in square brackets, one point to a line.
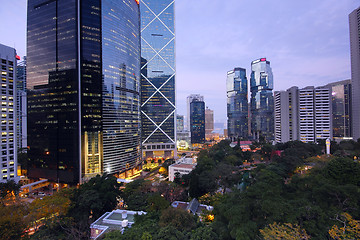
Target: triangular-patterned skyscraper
[158, 109]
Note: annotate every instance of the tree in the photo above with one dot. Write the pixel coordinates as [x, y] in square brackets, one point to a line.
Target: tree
[9, 189]
[286, 231]
[48, 209]
[178, 218]
[350, 228]
[203, 233]
[12, 221]
[157, 202]
[177, 178]
[91, 200]
[226, 176]
[170, 233]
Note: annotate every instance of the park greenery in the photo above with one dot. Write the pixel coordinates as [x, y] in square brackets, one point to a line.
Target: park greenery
[301, 194]
[285, 191]
[65, 215]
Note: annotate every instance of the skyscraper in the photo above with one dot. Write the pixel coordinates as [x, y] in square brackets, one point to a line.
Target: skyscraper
[83, 74]
[8, 114]
[179, 123]
[341, 104]
[209, 122]
[237, 104]
[158, 109]
[323, 119]
[306, 114]
[21, 126]
[287, 115]
[354, 26]
[189, 99]
[262, 100]
[303, 114]
[197, 121]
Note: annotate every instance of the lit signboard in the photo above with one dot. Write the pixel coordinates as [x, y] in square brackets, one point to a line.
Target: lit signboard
[17, 57]
[262, 59]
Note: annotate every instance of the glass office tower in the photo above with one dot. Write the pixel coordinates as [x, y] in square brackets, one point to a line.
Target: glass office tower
[341, 104]
[197, 121]
[237, 104]
[262, 100]
[83, 71]
[158, 111]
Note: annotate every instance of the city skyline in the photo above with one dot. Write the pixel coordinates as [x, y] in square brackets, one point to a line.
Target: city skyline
[307, 43]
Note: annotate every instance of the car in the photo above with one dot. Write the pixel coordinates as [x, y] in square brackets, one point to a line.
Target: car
[42, 194]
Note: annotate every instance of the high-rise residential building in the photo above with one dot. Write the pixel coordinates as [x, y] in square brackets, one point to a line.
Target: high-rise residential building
[306, 114]
[21, 126]
[354, 26]
[179, 123]
[209, 122]
[286, 115]
[341, 104]
[83, 88]
[303, 114]
[8, 165]
[158, 108]
[323, 113]
[189, 99]
[262, 100]
[197, 121]
[237, 104]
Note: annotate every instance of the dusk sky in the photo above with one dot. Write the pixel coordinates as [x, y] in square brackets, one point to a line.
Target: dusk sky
[307, 42]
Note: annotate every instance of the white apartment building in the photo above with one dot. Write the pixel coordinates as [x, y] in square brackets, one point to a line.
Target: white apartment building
[306, 115]
[303, 114]
[323, 119]
[8, 114]
[286, 115]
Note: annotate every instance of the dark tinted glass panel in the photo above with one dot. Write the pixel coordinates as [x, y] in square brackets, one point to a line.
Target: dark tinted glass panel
[52, 85]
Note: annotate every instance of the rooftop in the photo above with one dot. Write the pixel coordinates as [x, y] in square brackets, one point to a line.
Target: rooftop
[184, 165]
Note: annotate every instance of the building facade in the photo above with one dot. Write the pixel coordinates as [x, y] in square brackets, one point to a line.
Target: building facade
[197, 121]
[189, 99]
[262, 100]
[180, 169]
[83, 86]
[158, 108]
[341, 104]
[8, 114]
[21, 126]
[306, 114]
[303, 114]
[179, 123]
[354, 26]
[237, 104]
[209, 122]
[286, 115]
[323, 113]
